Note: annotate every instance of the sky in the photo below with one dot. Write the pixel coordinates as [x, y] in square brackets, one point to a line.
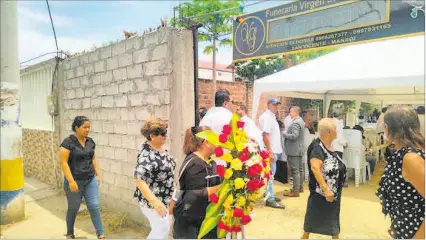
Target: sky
[80, 25]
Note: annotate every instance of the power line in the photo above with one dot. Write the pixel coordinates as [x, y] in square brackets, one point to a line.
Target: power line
[29, 60]
[53, 28]
[57, 48]
[228, 9]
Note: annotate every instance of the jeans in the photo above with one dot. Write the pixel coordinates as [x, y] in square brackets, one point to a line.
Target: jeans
[270, 186]
[296, 166]
[90, 190]
[160, 226]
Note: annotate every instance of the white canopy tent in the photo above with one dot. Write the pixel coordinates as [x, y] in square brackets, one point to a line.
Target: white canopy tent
[384, 72]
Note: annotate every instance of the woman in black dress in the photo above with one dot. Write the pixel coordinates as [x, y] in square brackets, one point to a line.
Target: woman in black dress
[327, 174]
[198, 180]
[402, 187]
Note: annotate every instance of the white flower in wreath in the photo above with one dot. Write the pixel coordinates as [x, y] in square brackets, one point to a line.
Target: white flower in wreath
[250, 162]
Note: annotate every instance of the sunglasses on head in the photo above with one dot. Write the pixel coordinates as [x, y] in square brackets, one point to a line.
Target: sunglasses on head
[158, 132]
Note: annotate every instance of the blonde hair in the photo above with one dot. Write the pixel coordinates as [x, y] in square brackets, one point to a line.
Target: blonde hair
[326, 125]
[152, 125]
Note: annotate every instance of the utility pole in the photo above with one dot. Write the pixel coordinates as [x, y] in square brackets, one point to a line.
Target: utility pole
[194, 26]
[11, 165]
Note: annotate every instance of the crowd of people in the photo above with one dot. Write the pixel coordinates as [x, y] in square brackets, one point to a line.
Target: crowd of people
[401, 189]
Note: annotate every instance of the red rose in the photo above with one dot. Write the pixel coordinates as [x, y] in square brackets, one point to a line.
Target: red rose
[264, 154]
[243, 156]
[236, 229]
[213, 198]
[238, 212]
[227, 129]
[246, 150]
[220, 170]
[221, 225]
[262, 183]
[218, 152]
[240, 124]
[223, 138]
[254, 170]
[254, 184]
[246, 219]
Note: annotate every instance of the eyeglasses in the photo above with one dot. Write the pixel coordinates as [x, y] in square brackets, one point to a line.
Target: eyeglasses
[158, 132]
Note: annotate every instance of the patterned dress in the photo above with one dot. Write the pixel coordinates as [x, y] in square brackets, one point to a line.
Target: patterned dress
[399, 199]
[157, 170]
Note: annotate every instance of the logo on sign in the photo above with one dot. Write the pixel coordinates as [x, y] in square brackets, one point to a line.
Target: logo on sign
[249, 35]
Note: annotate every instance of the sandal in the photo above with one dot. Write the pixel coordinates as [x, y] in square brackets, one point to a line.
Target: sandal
[70, 236]
[101, 237]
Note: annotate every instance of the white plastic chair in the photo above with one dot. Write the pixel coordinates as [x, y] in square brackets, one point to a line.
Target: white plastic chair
[308, 140]
[354, 154]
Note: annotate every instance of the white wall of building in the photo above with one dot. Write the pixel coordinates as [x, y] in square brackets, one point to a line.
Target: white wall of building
[220, 75]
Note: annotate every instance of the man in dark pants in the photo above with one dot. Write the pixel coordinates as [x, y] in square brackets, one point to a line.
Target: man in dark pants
[294, 149]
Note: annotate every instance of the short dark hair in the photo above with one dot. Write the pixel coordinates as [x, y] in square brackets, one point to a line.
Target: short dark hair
[420, 110]
[244, 108]
[78, 122]
[221, 96]
[384, 109]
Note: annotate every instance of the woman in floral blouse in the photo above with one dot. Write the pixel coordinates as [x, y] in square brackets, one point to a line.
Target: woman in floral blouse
[154, 175]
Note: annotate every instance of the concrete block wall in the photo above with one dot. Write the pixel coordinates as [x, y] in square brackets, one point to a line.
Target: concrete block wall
[119, 87]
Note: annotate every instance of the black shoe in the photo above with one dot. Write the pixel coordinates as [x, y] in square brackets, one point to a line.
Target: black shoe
[274, 204]
[276, 199]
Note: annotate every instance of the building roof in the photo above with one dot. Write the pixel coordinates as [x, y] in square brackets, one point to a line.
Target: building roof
[209, 65]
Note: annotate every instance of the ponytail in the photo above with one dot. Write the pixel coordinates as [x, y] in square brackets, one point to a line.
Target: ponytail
[191, 141]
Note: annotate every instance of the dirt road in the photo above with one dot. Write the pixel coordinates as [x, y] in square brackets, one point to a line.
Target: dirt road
[361, 217]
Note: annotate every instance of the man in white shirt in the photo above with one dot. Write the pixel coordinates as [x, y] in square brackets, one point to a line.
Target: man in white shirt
[220, 115]
[272, 140]
[250, 127]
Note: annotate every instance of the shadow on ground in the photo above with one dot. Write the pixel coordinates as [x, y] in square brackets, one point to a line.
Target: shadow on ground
[45, 210]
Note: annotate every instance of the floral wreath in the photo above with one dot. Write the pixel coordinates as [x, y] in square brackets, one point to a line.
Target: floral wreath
[247, 169]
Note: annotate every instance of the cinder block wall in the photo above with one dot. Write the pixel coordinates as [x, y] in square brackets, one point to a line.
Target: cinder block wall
[118, 87]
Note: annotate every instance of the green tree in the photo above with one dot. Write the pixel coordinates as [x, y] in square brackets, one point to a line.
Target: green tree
[217, 28]
[258, 68]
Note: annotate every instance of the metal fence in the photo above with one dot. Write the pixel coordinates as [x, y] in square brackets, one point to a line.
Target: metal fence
[36, 88]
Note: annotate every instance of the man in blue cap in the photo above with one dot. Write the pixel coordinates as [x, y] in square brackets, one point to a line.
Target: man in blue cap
[272, 140]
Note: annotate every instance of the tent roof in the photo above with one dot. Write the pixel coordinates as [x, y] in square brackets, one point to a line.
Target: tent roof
[386, 68]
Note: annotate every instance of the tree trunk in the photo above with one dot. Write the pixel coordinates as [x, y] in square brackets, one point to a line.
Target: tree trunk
[214, 68]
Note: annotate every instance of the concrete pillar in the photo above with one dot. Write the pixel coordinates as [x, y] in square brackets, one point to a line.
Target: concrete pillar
[11, 166]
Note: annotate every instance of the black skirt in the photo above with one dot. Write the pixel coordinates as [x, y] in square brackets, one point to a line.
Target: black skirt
[322, 217]
[281, 175]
